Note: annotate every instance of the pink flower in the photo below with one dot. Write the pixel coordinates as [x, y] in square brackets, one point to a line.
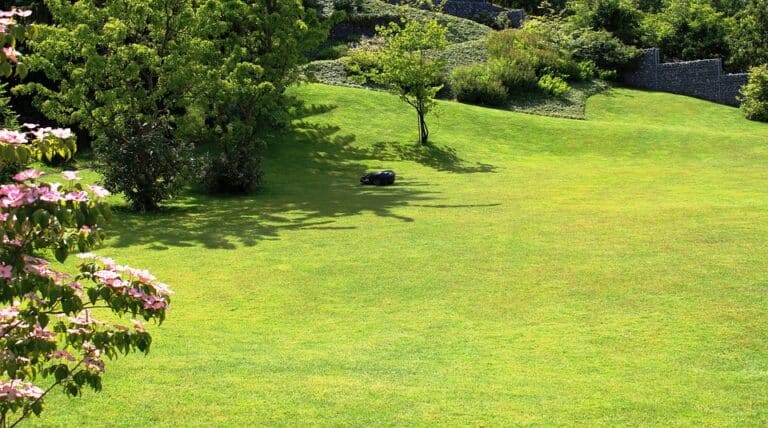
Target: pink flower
[4, 216]
[106, 274]
[136, 293]
[93, 364]
[86, 229]
[138, 325]
[162, 289]
[11, 54]
[76, 196]
[154, 302]
[9, 313]
[12, 137]
[15, 12]
[50, 195]
[62, 133]
[86, 256]
[39, 270]
[14, 198]
[108, 263]
[18, 389]
[143, 276]
[41, 333]
[70, 175]
[62, 355]
[99, 191]
[6, 271]
[29, 174]
[30, 125]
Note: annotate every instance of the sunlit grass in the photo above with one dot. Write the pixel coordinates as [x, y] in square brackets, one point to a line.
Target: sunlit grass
[523, 270]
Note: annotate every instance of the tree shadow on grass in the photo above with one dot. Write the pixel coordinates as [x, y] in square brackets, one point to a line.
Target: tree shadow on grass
[312, 180]
[441, 158]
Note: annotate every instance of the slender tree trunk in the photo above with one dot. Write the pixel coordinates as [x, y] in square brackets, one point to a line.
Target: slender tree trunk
[423, 130]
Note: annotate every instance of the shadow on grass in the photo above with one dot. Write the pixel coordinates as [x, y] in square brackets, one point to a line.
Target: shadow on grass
[441, 158]
[312, 180]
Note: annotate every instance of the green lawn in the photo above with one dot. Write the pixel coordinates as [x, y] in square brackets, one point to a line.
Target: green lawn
[524, 270]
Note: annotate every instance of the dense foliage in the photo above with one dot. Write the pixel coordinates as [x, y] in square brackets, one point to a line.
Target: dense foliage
[620, 17]
[600, 47]
[146, 163]
[748, 38]
[116, 69]
[734, 30]
[253, 49]
[688, 30]
[477, 84]
[755, 94]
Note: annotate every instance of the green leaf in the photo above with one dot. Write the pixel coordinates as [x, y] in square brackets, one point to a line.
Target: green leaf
[5, 69]
[61, 253]
[93, 295]
[22, 70]
[43, 320]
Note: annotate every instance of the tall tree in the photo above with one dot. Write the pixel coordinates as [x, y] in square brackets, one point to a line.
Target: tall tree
[256, 47]
[122, 70]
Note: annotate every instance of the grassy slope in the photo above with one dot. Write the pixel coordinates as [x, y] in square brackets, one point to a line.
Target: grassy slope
[525, 270]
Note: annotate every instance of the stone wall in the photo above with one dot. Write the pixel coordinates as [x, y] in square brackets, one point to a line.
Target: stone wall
[701, 79]
[346, 29]
[476, 10]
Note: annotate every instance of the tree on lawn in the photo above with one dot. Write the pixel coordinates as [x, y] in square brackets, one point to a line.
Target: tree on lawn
[123, 70]
[409, 66]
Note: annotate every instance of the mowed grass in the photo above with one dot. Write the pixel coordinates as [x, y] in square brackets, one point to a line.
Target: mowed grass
[523, 270]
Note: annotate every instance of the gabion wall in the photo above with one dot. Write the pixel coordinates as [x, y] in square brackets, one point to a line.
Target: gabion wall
[701, 79]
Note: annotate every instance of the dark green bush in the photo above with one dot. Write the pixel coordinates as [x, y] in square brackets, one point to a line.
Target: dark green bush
[349, 6]
[603, 49]
[475, 84]
[754, 101]
[515, 76]
[145, 163]
[237, 172]
[687, 30]
[748, 36]
[619, 17]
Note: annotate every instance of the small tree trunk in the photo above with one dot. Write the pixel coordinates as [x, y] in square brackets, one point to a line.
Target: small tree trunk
[423, 130]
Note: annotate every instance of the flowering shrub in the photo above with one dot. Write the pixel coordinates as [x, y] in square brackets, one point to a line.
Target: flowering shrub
[48, 324]
[49, 330]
